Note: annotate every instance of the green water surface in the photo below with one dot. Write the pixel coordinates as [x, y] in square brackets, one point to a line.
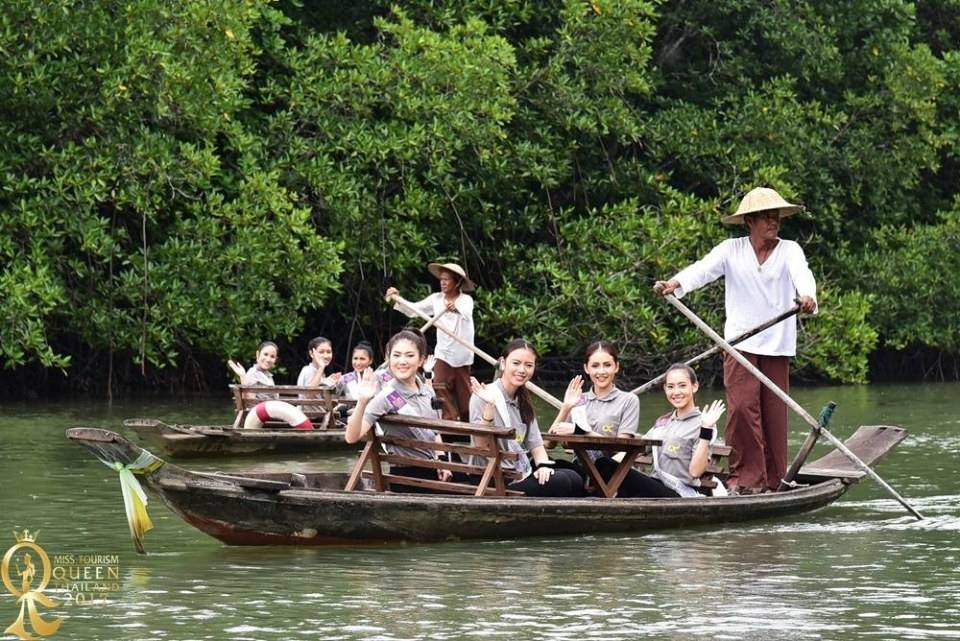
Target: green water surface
[859, 569]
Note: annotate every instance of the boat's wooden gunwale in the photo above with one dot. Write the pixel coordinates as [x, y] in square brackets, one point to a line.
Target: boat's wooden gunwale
[183, 441]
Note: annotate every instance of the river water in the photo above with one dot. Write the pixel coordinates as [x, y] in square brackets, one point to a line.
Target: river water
[859, 569]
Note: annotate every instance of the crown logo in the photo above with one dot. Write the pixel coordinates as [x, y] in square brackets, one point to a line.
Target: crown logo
[25, 536]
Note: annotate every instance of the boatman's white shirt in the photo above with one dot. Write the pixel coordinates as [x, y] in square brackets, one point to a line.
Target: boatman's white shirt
[459, 321]
[755, 293]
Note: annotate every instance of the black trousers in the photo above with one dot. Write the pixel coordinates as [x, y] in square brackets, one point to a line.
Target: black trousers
[563, 482]
[636, 484]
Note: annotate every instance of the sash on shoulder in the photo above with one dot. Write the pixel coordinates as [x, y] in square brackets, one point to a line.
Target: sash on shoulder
[400, 405]
[578, 415]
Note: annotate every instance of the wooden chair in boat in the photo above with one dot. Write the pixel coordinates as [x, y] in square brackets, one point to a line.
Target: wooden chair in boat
[483, 443]
[318, 403]
[716, 467]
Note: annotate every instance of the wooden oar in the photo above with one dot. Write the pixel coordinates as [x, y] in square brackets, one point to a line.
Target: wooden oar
[433, 320]
[822, 421]
[716, 348]
[706, 329]
[539, 391]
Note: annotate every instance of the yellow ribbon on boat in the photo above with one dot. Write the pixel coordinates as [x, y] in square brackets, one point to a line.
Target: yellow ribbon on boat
[134, 498]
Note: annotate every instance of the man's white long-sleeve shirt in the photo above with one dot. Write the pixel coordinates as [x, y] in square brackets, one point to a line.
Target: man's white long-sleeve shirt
[459, 321]
[755, 293]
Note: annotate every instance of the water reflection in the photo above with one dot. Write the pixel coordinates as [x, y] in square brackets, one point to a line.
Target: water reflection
[858, 569]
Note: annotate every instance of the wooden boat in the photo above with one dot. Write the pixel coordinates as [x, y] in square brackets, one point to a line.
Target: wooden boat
[313, 509]
[218, 440]
[317, 404]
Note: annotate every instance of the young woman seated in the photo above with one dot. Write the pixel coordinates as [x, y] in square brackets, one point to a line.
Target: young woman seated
[361, 359]
[605, 410]
[506, 403]
[259, 373]
[406, 395]
[314, 374]
[686, 433]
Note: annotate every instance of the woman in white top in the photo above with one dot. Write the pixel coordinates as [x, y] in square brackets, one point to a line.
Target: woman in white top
[320, 351]
[259, 373]
[361, 359]
[451, 375]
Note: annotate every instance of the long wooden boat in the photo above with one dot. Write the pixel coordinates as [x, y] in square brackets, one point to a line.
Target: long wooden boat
[313, 509]
[219, 440]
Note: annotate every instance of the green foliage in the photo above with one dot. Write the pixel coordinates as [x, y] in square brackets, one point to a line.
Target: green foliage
[136, 216]
[837, 341]
[184, 179]
[914, 272]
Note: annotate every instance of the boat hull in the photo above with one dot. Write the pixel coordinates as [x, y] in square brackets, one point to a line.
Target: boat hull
[321, 517]
[311, 509]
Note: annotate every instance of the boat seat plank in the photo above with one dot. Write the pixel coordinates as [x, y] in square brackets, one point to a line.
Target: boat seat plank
[448, 427]
[443, 447]
[870, 443]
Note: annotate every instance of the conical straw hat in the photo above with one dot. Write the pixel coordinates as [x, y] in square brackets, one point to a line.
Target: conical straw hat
[466, 285]
[758, 200]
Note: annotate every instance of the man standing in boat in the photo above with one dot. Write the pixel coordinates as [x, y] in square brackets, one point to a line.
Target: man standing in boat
[764, 274]
[451, 372]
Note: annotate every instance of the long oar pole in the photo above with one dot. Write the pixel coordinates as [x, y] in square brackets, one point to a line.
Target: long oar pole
[716, 348]
[407, 305]
[706, 329]
[430, 323]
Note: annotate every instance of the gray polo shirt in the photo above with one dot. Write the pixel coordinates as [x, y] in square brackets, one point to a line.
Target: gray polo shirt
[400, 400]
[261, 377]
[528, 435]
[616, 414]
[679, 436]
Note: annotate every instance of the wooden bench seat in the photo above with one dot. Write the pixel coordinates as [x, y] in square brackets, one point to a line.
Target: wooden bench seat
[317, 403]
[483, 443]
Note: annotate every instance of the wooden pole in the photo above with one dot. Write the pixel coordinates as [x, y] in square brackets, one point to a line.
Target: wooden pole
[716, 348]
[433, 320]
[542, 393]
[807, 447]
[706, 329]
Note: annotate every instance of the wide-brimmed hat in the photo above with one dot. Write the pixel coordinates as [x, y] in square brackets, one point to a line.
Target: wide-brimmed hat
[761, 199]
[466, 285]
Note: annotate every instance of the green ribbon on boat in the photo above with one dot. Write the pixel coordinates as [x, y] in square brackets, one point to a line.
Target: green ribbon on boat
[134, 498]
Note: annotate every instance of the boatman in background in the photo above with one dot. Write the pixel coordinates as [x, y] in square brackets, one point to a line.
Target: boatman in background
[451, 372]
[764, 274]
